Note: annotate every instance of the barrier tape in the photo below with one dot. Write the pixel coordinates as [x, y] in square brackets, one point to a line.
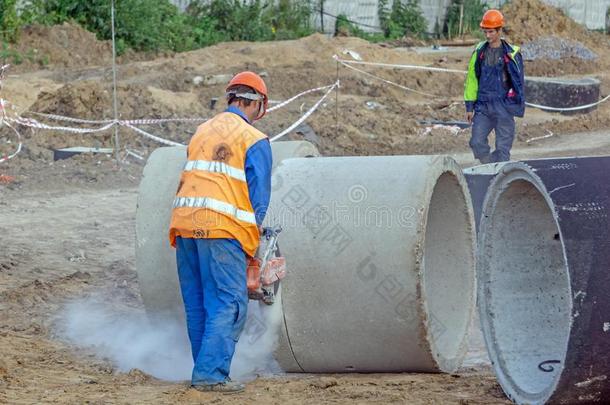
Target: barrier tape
[582, 107]
[389, 81]
[142, 121]
[32, 123]
[154, 137]
[19, 145]
[19, 141]
[131, 153]
[4, 121]
[151, 121]
[3, 70]
[290, 100]
[347, 63]
[538, 138]
[307, 114]
[107, 124]
[397, 66]
[276, 137]
[56, 117]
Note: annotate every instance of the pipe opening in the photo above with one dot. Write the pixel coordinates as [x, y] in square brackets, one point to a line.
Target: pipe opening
[525, 286]
[448, 271]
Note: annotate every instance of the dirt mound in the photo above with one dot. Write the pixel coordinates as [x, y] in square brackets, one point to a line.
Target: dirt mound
[92, 100]
[528, 20]
[165, 88]
[66, 45]
[564, 67]
[372, 117]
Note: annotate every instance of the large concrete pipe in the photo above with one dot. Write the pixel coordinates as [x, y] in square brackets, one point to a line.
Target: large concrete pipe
[562, 92]
[544, 280]
[155, 259]
[380, 253]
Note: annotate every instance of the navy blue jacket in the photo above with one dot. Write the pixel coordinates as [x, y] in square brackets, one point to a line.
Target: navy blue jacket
[513, 61]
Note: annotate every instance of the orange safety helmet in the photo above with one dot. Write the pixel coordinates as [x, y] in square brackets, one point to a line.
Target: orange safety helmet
[492, 19]
[255, 82]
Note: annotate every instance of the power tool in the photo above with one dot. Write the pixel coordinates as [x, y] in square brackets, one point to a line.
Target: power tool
[267, 268]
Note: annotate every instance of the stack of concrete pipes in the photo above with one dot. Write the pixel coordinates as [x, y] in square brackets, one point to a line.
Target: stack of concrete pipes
[381, 255]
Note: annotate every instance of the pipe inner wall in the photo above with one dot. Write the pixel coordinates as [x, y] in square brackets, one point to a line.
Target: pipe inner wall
[447, 268]
[524, 287]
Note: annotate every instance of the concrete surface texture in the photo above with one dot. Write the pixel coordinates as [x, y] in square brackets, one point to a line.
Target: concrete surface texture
[155, 259]
[478, 178]
[380, 257]
[543, 280]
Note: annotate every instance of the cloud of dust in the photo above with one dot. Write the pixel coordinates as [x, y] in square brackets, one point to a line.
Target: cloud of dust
[258, 341]
[129, 340]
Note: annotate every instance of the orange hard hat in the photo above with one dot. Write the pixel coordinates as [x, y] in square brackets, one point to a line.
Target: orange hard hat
[492, 19]
[255, 82]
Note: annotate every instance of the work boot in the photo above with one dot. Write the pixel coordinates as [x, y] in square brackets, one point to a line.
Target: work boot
[226, 387]
[485, 159]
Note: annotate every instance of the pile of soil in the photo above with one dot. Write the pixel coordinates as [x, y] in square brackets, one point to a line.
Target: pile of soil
[64, 46]
[60, 46]
[168, 87]
[529, 20]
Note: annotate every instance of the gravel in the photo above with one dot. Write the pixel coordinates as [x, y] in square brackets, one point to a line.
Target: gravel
[556, 48]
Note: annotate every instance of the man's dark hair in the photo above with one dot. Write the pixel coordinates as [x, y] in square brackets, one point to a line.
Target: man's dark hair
[240, 88]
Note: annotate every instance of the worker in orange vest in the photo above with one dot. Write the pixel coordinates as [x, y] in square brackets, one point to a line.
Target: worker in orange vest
[218, 212]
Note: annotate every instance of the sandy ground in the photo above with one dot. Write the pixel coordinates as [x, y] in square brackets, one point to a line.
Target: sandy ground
[78, 242]
[67, 227]
[70, 241]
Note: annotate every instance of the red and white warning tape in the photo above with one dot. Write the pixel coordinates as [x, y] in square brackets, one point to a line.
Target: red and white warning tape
[104, 125]
[4, 121]
[307, 114]
[348, 63]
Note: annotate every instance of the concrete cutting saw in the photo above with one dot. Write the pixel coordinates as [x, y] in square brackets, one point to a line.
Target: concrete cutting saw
[267, 268]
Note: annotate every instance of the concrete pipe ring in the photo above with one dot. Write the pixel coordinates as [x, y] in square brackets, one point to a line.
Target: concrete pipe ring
[380, 253]
[542, 269]
[562, 92]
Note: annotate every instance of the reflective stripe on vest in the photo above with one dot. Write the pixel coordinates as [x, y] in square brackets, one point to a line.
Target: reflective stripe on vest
[219, 206]
[215, 167]
[213, 198]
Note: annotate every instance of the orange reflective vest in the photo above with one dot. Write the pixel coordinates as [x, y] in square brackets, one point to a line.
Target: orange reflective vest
[212, 200]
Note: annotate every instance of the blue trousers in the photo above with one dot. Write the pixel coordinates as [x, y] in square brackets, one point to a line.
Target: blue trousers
[212, 274]
[492, 115]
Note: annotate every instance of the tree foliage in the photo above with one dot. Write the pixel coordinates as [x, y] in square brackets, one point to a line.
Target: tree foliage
[158, 25]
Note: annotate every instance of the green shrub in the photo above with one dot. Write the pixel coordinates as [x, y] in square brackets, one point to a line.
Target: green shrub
[404, 18]
[9, 20]
[14, 57]
[289, 19]
[158, 25]
[145, 25]
[345, 27]
[472, 14]
[239, 20]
